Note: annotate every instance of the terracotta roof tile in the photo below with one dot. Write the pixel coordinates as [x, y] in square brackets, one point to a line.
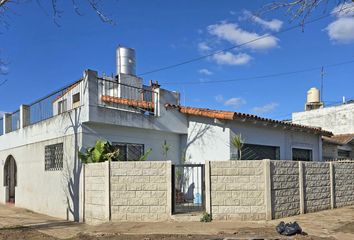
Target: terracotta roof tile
[228, 115]
[129, 102]
[341, 139]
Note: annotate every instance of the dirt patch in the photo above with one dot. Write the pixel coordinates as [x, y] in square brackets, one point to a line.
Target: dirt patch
[346, 228]
[250, 233]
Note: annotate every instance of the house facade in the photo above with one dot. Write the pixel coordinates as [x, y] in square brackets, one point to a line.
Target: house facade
[39, 143]
[338, 119]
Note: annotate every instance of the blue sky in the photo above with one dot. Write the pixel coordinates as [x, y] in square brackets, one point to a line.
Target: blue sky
[44, 57]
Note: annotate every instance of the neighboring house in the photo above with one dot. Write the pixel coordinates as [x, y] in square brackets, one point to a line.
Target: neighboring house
[337, 119]
[39, 143]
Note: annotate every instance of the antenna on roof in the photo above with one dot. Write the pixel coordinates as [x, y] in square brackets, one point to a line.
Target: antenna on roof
[322, 75]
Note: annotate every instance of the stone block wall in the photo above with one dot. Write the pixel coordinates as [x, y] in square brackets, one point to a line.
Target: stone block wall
[95, 179]
[140, 191]
[343, 184]
[285, 194]
[237, 190]
[317, 186]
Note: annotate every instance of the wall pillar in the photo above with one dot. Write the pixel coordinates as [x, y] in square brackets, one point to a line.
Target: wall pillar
[302, 188]
[332, 179]
[108, 191]
[7, 123]
[207, 188]
[24, 116]
[268, 189]
[169, 186]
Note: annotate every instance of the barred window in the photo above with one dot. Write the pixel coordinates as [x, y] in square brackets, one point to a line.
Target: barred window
[300, 154]
[54, 157]
[129, 151]
[258, 152]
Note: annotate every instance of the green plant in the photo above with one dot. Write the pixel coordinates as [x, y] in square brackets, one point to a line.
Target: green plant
[238, 142]
[101, 152]
[146, 155]
[165, 148]
[206, 217]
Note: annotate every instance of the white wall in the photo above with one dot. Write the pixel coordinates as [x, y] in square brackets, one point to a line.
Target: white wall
[338, 119]
[214, 144]
[279, 137]
[150, 138]
[206, 141]
[39, 190]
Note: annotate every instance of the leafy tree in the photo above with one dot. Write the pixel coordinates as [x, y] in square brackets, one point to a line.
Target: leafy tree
[165, 148]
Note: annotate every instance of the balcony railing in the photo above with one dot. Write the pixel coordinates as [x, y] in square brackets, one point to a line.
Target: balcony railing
[47, 107]
[125, 97]
[1, 126]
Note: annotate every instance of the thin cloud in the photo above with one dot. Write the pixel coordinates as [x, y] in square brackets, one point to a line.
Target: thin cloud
[205, 71]
[273, 25]
[270, 107]
[341, 30]
[232, 33]
[234, 102]
[203, 47]
[228, 58]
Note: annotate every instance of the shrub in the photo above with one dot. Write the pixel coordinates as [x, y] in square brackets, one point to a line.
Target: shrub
[206, 217]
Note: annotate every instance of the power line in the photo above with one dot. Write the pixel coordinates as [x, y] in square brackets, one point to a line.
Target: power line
[242, 44]
[3, 82]
[265, 76]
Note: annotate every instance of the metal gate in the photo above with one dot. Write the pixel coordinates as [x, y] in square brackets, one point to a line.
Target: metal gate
[188, 188]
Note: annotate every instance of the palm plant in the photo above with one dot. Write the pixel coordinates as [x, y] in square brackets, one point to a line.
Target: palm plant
[238, 142]
[165, 148]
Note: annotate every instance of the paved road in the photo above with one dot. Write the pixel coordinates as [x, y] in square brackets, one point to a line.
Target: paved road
[330, 224]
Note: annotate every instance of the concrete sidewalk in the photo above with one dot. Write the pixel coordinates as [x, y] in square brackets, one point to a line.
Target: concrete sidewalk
[338, 224]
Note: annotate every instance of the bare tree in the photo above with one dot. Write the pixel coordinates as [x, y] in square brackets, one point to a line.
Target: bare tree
[302, 9]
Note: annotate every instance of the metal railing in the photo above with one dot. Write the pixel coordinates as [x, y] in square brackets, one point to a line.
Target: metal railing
[15, 120]
[47, 107]
[1, 126]
[55, 103]
[126, 97]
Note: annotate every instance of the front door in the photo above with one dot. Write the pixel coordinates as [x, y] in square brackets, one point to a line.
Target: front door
[10, 178]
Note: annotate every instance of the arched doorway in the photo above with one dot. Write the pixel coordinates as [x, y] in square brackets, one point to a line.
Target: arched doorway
[10, 178]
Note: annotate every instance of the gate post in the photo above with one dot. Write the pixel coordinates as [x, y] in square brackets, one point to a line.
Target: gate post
[207, 188]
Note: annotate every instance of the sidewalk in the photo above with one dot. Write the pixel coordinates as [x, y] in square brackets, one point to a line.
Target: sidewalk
[337, 224]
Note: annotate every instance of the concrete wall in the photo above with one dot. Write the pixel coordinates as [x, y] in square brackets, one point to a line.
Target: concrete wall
[317, 186]
[237, 190]
[343, 184]
[140, 191]
[285, 188]
[96, 193]
[128, 191]
[337, 119]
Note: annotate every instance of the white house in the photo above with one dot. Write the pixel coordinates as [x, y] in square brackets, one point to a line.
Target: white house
[39, 142]
[338, 119]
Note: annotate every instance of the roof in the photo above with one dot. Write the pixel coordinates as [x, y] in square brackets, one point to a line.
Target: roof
[340, 139]
[228, 115]
[129, 102]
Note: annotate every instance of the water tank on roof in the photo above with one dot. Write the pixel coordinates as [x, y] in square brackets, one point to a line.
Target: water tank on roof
[313, 95]
[125, 60]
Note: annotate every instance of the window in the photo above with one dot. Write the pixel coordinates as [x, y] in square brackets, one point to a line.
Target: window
[343, 154]
[129, 151]
[54, 157]
[302, 154]
[62, 106]
[258, 152]
[76, 100]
